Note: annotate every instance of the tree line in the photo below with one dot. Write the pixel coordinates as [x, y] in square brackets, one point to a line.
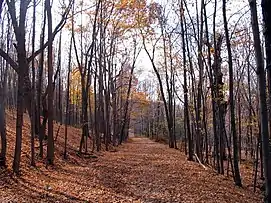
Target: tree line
[79, 66]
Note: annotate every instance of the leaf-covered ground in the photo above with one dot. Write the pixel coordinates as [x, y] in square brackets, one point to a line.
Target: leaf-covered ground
[140, 171]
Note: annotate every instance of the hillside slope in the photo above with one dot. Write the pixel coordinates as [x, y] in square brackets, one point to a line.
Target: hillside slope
[140, 171]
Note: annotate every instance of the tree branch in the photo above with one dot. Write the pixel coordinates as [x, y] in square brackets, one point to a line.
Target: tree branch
[56, 30]
[9, 60]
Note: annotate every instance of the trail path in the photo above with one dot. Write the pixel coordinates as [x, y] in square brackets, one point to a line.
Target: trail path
[147, 171]
[140, 171]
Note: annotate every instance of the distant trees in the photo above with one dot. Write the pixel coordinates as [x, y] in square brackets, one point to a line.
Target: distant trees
[219, 97]
[167, 94]
[204, 98]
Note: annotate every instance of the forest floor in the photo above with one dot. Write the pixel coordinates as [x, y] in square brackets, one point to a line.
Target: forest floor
[139, 171]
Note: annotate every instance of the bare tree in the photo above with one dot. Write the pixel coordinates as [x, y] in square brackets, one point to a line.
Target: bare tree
[50, 145]
[263, 104]
[237, 177]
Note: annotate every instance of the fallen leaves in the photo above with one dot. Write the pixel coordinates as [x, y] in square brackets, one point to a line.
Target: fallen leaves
[140, 171]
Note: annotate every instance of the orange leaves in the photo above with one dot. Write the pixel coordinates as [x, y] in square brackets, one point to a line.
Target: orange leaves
[212, 50]
[131, 14]
[131, 4]
[76, 87]
[74, 71]
[141, 103]
[155, 173]
[122, 4]
[141, 97]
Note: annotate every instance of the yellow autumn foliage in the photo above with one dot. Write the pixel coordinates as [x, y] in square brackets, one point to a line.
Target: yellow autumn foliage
[76, 88]
[140, 103]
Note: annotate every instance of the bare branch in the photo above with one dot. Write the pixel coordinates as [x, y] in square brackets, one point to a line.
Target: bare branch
[9, 60]
[56, 30]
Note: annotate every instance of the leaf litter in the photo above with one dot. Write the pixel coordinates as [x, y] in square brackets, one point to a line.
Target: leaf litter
[139, 171]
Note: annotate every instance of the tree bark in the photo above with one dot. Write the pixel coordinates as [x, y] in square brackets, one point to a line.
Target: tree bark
[186, 112]
[50, 145]
[262, 90]
[23, 78]
[3, 130]
[237, 177]
[33, 102]
[67, 116]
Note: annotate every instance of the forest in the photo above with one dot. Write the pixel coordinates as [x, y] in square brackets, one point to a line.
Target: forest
[140, 101]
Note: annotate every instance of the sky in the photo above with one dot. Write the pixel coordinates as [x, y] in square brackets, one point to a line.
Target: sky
[236, 9]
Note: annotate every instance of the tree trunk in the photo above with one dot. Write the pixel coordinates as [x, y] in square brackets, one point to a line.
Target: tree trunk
[23, 77]
[50, 145]
[186, 112]
[266, 10]
[33, 102]
[262, 91]
[237, 177]
[67, 116]
[3, 130]
[41, 127]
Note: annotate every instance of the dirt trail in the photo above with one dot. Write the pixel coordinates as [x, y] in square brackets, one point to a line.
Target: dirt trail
[147, 171]
[140, 171]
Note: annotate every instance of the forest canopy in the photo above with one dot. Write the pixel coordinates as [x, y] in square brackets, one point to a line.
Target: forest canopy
[194, 75]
